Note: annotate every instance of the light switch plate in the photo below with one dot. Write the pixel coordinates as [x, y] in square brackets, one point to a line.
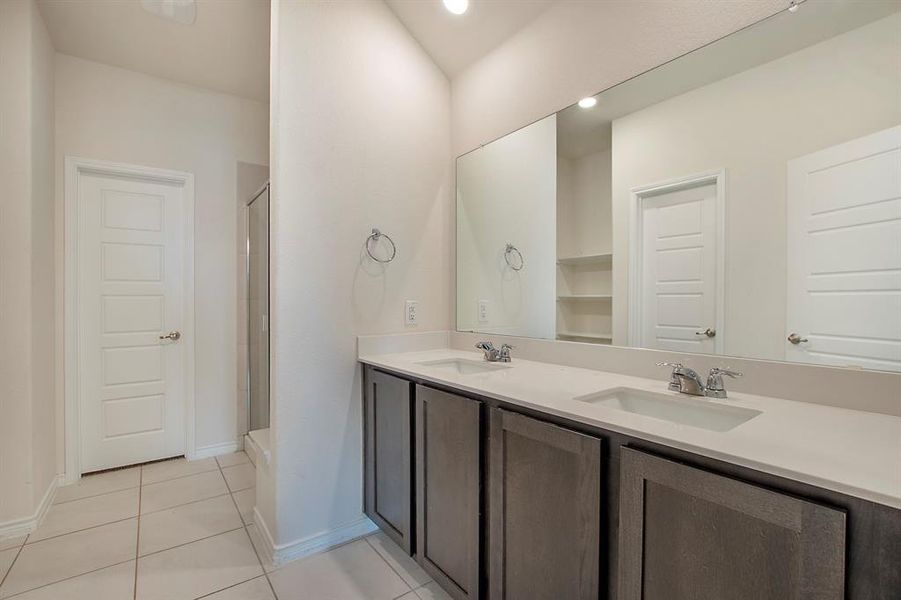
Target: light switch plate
[411, 309]
[483, 311]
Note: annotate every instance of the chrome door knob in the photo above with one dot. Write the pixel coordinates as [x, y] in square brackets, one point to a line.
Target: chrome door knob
[172, 335]
[796, 339]
[709, 332]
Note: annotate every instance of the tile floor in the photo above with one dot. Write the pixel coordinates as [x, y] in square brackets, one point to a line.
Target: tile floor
[179, 530]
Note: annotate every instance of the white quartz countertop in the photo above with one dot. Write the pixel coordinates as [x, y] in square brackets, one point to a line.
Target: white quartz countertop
[853, 452]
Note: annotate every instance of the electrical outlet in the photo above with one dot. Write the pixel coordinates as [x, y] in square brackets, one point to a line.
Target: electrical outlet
[483, 311]
[411, 309]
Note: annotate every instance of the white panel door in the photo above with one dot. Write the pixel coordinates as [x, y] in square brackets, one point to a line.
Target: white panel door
[844, 254]
[130, 292]
[678, 270]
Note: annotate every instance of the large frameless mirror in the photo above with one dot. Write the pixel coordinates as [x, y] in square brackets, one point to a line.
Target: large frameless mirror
[743, 200]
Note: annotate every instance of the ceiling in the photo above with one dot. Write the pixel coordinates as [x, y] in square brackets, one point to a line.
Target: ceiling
[225, 50]
[456, 41]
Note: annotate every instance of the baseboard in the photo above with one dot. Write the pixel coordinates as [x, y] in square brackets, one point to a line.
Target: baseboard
[213, 450]
[18, 527]
[279, 555]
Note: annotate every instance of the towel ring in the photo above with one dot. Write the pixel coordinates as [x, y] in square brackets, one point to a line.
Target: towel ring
[511, 249]
[375, 236]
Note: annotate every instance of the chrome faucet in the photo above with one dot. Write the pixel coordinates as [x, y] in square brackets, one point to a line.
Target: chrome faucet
[493, 354]
[684, 380]
[687, 381]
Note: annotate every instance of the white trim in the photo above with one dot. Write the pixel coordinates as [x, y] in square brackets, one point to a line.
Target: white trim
[18, 527]
[74, 166]
[213, 450]
[320, 542]
[638, 195]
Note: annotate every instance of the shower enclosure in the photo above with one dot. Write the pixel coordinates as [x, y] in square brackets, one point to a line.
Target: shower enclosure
[258, 310]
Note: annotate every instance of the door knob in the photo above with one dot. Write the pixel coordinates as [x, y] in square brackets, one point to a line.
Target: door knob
[708, 332]
[796, 339]
[172, 335]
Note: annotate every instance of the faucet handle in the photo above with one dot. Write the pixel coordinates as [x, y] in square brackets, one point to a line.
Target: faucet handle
[674, 365]
[485, 345]
[725, 371]
[715, 386]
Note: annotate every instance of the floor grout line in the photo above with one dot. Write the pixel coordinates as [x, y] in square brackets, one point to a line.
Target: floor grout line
[59, 535]
[13, 564]
[247, 532]
[191, 542]
[390, 566]
[159, 510]
[138, 536]
[131, 487]
[121, 562]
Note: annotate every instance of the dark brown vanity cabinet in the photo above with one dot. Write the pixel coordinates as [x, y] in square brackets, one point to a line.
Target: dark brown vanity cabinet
[388, 442]
[544, 510]
[687, 534]
[448, 481]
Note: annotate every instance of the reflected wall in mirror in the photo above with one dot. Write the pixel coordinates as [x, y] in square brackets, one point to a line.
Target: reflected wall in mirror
[744, 200]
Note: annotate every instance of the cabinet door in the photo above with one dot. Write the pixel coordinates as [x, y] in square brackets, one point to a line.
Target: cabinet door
[687, 534]
[448, 469]
[545, 484]
[388, 449]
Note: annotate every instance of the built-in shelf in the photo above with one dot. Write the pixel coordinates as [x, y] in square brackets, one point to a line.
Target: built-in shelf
[585, 335]
[585, 297]
[587, 259]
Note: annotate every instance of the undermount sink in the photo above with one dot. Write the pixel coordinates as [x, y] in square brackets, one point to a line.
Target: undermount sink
[463, 366]
[683, 410]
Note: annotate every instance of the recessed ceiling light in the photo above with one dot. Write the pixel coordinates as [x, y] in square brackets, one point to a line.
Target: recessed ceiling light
[588, 102]
[458, 7]
[793, 7]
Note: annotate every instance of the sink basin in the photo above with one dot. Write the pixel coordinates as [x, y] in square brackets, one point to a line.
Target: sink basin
[463, 366]
[683, 410]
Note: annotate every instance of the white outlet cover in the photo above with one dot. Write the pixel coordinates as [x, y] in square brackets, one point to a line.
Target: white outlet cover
[483, 311]
[411, 308]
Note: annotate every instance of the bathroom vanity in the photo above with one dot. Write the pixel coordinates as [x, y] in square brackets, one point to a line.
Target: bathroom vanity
[510, 482]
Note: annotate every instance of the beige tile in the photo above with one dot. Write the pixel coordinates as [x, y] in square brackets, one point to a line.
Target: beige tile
[12, 542]
[246, 500]
[166, 494]
[112, 583]
[6, 561]
[409, 596]
[177, 467]
[101, 483]
[255, 589]
[69, 555]
[240, 477]
[350, 572]
[260, 546]
[399, 560]
[432, 591]
[187, 523]
[87, 512]
[198, 568]
[230, 460]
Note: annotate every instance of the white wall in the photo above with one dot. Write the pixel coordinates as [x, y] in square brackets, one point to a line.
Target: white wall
[361, 139]
[506, 193]
[583, 205]
[27, 361]
[108, 113]
[751, 125]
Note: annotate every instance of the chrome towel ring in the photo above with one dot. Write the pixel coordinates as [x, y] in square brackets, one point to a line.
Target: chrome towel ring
[516, 265]
[375, 236]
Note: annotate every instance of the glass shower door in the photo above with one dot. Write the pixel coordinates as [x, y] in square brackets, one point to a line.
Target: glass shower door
[258, 310]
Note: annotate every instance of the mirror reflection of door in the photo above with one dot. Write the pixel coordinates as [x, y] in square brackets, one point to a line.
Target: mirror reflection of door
[844, 254]
[676, 285]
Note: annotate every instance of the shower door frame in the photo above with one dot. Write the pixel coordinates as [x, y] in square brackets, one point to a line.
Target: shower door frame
[265, 189]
